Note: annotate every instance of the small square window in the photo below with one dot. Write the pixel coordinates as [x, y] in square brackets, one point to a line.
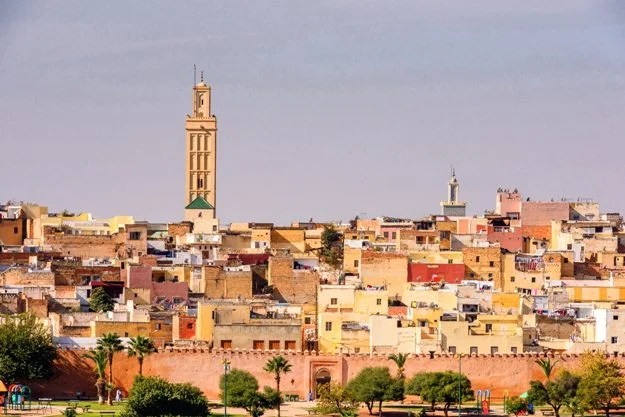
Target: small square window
[615, 317]
[307, 320]
[491, 263]
[333, 301]
[512, 279]
[378, 301]
[328, 326]
[394, 235]
[489, 327]
[533, 279]
[15, 230]
[614, 339]
[189, 326]
[355, 263]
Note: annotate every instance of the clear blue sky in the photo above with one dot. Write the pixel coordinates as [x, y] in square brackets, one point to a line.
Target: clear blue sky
[326, 109]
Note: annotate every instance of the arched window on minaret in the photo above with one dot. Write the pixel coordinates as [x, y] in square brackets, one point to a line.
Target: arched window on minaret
[200, 183]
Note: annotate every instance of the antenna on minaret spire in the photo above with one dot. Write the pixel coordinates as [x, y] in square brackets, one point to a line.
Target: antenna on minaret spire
[453, 171]
[201, 76]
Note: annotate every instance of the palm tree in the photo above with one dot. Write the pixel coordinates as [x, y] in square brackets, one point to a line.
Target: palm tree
[547, 366]
[110, 343]
[99, 358]
[277, 365]
[400, 361]
[140, 347]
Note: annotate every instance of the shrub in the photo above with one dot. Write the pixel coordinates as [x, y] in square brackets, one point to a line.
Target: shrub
[153, 396]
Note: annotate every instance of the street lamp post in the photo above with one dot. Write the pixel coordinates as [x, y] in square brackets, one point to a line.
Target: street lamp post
[226, 368]
[459, 384]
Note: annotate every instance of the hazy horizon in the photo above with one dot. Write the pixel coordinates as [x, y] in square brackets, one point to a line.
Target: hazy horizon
[326, 110]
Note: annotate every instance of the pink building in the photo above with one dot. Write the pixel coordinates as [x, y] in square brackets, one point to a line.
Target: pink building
[541, 213]
[508, 237]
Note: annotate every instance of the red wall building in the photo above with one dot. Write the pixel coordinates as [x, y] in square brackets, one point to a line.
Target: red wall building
[449, 273]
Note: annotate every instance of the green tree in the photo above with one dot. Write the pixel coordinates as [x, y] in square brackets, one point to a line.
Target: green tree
[99, 359]
[26, 349]
[100, 301]
[333, 398]
[547, 365]
[140, 347]
[329, 239]
[277, 365]
[400, 361]
[440, 387]
[110, 343]
[602, 382]
[517, 405]
[243, 392]
[373, 385]
[556, 393]
[153, 396]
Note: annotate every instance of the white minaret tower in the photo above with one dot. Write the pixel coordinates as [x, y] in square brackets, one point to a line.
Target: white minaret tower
[453, 207]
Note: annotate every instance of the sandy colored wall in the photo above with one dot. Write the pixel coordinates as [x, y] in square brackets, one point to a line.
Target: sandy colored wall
[202, 368]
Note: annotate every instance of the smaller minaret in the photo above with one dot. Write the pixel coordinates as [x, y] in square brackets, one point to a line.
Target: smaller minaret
[453, 207]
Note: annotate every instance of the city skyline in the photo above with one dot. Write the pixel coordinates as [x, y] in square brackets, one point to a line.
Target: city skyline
[326, 111]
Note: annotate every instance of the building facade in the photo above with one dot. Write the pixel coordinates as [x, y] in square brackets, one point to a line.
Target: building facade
[201, 148]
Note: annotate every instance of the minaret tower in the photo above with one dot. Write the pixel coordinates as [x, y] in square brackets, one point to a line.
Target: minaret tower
[201, 151]
[453, 206]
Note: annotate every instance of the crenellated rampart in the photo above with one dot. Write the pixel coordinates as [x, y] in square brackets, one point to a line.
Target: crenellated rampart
[203, 368]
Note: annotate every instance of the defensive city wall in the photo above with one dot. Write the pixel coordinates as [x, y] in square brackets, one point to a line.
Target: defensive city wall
[203, 368]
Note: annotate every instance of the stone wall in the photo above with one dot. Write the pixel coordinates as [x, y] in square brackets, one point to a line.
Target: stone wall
[203, 368]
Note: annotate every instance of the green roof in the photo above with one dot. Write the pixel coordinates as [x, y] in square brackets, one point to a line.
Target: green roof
[199, 204]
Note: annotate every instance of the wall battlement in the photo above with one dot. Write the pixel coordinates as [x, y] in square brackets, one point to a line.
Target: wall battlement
[203, 368]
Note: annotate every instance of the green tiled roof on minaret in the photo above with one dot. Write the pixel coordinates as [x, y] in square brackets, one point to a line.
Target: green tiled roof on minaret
[199, 204]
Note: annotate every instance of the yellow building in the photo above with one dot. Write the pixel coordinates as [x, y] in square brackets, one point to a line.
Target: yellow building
[488, 335]
[529, 273]
[201, 148]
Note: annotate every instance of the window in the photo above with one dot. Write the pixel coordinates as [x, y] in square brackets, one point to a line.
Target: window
[289, 345]
[547, 278]
[494, 349]
[274, 345]
[125, 334]
[472, 275]
[333, 301]
[258, 345]
[328, 326]
[477, 259]
[513, 349]
[190, 326]
[490, 275]
[533, 279]
[489, 327]
[378, 301]
[569, 246]
[307, 320]
[491, 263]
[356, 263]
[473, 350]
[15, 230]
[357, 350]
[512, 279]
[385, 235]
[157, 326]
[394, 235]
[452, 349]
[614, 339]
[135, 235]
[565, 260]
[615, 317]
[226, 344]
